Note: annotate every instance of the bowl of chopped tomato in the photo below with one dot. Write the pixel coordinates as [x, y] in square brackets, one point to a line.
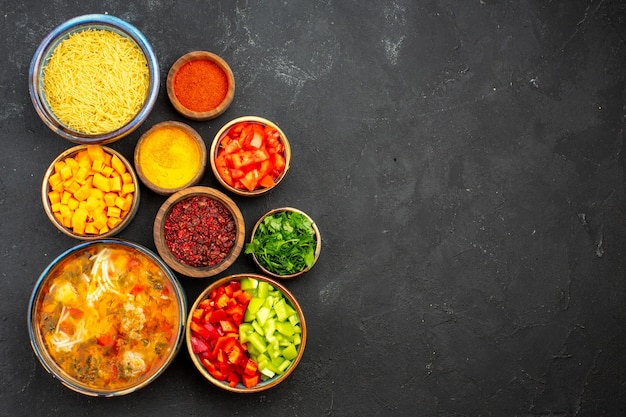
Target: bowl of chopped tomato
[285, 243]
[250, 155]
[107, 317]
[199, 231]
[246, 333]
[90, 192]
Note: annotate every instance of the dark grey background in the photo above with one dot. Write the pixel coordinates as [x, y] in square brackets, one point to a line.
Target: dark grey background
[464, 161]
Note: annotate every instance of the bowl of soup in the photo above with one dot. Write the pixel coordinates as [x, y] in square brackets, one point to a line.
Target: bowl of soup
[106, 317]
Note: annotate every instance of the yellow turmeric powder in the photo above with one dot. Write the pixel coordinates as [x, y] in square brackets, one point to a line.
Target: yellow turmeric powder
[169, 157]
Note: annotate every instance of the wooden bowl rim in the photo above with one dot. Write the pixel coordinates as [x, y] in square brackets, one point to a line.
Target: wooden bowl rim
[318, 240]
[195, 56]
[45, 188]
[272, 382]
[203, 157]
[215, 148]
[170, 259]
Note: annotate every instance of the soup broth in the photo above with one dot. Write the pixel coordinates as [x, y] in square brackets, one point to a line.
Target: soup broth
[108, 317]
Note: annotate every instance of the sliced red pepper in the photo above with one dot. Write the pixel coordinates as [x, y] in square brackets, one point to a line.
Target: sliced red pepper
[201, 330]
[215, 335]
[237, 314]
[213, 332]
[222, 301]
[251, 368]
[233, 379]
[217, 316]
[244, 298]
[251, 380]
[198, 345]
[228, 326]
[229, 290]
[236, 355]
[197, 315]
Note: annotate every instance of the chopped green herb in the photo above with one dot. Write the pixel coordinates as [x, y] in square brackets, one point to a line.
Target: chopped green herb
[284, 243]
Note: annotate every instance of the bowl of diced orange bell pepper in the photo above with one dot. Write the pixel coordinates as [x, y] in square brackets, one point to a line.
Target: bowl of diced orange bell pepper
[90, 192]
[250, 155]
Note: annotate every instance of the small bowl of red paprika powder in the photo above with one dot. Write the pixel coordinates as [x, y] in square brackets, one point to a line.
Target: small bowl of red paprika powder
[199, 231]
[200, 85]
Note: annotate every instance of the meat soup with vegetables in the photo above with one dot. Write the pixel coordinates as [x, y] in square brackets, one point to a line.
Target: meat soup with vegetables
[108, 316]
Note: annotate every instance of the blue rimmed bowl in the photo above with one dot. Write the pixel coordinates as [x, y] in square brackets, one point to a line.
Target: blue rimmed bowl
[44, 53]
[107, 317]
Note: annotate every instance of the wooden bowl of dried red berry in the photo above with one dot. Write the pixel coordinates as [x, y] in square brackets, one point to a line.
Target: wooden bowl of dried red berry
[199, 231]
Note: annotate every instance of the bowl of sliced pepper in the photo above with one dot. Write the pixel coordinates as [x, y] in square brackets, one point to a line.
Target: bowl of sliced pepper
[250, 156]
[285, 243]
[246, 333]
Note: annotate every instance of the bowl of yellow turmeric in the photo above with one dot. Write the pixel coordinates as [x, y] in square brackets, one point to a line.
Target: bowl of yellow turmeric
[90, 192]
[170, 156]
[94, 79]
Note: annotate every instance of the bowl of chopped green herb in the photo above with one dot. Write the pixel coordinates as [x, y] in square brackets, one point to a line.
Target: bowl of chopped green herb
[285, 243]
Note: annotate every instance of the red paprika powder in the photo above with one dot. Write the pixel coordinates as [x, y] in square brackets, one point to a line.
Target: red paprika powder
[200, 85]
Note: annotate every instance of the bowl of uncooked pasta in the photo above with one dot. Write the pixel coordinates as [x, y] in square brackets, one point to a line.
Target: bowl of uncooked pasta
[94, 79]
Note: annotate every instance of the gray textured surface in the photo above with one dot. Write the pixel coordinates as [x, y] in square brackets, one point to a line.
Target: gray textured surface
[464, 161]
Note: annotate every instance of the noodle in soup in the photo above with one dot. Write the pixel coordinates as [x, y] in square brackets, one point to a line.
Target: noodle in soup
[108, 317]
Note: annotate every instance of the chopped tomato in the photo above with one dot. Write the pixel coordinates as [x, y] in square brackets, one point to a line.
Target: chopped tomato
[137, 289]
[222, 168]
[249, 152]
[279, 162]
[250, 180]
[267, 181]
[106, 339]
[76, 312]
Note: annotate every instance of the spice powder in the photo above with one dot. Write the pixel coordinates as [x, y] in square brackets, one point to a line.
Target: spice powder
[200, 85]
[169, 157]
